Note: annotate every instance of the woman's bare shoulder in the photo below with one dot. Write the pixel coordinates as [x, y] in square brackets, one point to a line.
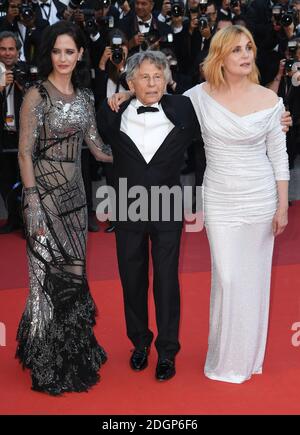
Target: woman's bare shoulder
[269, 97]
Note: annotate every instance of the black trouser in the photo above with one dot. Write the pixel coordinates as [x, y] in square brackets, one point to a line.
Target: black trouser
[9, 174]
[133, 260]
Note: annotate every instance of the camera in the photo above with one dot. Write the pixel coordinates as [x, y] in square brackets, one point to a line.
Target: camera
[283, 17]
[102, 4]
[202, 17]
[287, 18]
[202, 22]
[33, 74]
[292, 48]
[116, 50]
[234, 3]
[177, 8]
[26, 11]
[108, 21]
[90, 23]
[75, 4]
[20, 74]
[25, 75]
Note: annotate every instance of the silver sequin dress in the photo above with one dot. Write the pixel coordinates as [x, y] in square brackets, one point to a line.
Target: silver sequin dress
[245, 156]
[55, 335]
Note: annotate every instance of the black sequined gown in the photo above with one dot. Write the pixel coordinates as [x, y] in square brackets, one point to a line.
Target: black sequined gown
[55, 335]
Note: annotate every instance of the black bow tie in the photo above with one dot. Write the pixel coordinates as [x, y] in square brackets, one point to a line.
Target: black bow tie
[141, 23]
[143, 109]
[45, 4]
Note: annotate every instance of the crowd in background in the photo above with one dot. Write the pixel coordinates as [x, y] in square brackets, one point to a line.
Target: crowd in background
[114, 30]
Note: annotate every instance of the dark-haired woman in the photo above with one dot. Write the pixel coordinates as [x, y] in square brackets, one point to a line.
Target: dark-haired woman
[55, 335]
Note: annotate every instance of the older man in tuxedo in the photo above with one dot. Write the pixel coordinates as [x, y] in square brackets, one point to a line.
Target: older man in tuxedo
[148, 136]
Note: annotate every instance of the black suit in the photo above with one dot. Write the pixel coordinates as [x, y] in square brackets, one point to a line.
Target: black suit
[133, 237]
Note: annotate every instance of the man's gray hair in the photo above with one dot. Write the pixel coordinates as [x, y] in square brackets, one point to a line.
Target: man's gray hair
[7, 34]
[156, 57]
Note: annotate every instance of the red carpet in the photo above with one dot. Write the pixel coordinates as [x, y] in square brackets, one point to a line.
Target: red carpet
[120, 390]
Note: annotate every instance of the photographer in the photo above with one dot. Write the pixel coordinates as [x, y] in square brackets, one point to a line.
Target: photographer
[287, 88]
[173, 13]
[11, 96]
[97, 18]
[259, 18]
[201, 27]
[52, 11]
[225, 11]
[143, 30]
[100, 15]
[22, 20]
[283, 29]
[109, 79]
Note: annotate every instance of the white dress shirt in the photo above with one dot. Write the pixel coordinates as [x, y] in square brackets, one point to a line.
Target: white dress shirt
[147, 130]
[142, 28]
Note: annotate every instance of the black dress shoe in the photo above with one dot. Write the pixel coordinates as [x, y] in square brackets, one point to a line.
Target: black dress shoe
[165, 369]
[139, 359]
[92, 224]
[110, 229]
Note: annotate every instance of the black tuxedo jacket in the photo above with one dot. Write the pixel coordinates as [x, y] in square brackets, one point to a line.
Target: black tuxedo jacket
[164, 167]
[61, 7]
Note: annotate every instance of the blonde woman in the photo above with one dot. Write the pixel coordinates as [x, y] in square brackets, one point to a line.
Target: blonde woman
[245, 201]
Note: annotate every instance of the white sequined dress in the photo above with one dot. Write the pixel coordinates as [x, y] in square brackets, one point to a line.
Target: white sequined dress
[245, 156]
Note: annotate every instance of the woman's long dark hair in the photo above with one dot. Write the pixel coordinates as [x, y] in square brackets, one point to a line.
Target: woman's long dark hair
[81, 73]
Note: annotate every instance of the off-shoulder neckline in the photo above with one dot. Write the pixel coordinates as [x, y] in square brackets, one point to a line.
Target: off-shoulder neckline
[235, 114]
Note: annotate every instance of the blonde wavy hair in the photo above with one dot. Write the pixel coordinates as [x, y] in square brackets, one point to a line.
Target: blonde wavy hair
[220, 47]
